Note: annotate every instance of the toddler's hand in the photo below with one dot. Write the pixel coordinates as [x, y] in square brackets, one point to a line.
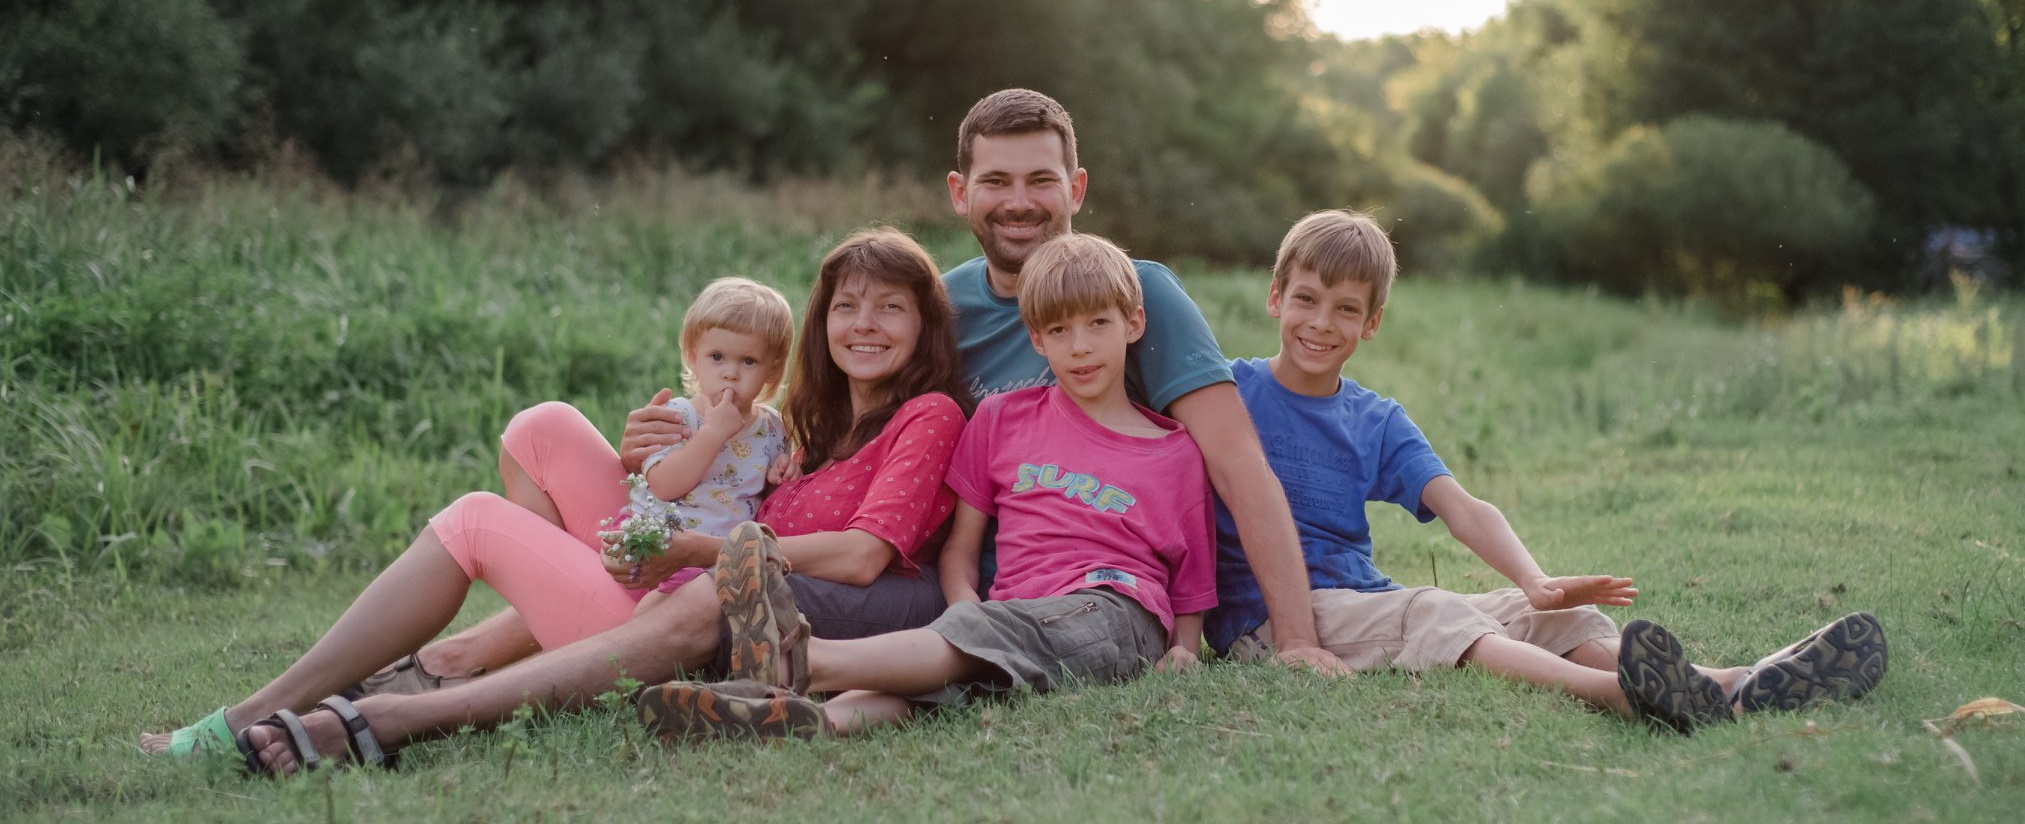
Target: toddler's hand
[720, 416]
[783, 470]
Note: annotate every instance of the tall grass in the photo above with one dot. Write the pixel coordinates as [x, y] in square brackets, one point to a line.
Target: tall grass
[198, 380]
[203, 384]
[223, 373]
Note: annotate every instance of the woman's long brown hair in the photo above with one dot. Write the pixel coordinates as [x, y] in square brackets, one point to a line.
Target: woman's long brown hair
[818, 405]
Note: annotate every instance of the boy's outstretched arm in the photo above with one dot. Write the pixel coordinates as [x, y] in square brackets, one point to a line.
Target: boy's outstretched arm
[1216, 418]
[958, 566]
[1184, 644]
[1482, 528]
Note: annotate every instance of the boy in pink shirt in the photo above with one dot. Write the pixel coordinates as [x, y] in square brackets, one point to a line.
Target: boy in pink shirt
[1104, 546]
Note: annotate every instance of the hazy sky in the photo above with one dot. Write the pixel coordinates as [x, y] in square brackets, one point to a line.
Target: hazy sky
[1353, 19]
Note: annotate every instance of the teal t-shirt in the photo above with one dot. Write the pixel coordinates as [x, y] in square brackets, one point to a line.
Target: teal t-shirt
[1176, 356]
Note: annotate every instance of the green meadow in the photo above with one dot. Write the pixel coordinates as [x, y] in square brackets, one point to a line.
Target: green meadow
[224, 403]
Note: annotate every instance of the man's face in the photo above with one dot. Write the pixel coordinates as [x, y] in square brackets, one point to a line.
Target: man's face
[1019, 194]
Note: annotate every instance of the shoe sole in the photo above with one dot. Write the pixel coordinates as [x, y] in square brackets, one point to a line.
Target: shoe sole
[1662, 687]
[687, 711]
[1844, 660]
[742, 588]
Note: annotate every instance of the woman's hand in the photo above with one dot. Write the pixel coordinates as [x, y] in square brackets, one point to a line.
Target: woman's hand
[649, 429]
[642, 574]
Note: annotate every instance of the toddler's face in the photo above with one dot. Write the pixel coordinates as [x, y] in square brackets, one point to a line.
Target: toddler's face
[724, 359]
[1320, 327]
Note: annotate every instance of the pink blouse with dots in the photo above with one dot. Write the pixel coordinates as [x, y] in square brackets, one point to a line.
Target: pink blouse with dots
[892, 488]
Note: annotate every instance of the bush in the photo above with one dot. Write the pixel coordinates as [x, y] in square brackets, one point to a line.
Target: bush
[1733, 210]
[121, 77]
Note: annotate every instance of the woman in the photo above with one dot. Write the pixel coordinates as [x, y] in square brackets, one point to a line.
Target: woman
[876, 402]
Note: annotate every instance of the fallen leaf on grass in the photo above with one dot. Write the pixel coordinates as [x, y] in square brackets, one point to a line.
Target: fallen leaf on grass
[1980, 710]
[1983, 707]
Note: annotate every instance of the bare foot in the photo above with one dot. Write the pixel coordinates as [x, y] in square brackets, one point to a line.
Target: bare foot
[271, 745]
[154, 743]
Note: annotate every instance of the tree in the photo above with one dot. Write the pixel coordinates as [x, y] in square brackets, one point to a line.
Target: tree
[1704, 206]
[1894, 89]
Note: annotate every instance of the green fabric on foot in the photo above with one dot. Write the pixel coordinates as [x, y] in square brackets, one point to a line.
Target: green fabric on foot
[208, 734]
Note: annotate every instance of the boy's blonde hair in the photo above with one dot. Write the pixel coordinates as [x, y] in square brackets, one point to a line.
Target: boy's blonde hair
[745, 306]
[1339, 246]
[1076, 274]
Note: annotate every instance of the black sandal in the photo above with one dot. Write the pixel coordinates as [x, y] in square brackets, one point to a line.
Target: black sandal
[298, 742]
[365, 748]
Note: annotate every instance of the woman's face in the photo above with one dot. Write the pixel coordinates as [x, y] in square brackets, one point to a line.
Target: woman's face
[872, 330]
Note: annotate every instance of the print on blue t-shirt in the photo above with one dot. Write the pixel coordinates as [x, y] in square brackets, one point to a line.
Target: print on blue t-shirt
[1332, 454]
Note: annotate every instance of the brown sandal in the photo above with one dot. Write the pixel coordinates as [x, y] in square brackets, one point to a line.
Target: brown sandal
[759, 608]
[406, 677]
[693, 711]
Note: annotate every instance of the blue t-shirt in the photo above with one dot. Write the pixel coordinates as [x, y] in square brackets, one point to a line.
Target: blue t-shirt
[1332, 454]
[1176, 356]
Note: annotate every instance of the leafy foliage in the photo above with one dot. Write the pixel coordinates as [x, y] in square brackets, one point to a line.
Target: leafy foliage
[1703, 206]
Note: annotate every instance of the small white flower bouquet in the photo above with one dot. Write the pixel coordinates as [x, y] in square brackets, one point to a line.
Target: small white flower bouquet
[635, 535]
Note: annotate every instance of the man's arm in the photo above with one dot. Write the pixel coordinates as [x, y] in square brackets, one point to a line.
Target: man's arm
[1216, 417]
[648, 429]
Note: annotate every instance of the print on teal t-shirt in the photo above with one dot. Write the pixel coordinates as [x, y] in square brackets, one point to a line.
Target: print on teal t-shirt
[1332, 454]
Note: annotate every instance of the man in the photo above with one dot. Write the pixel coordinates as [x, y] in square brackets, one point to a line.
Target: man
[1018, 185]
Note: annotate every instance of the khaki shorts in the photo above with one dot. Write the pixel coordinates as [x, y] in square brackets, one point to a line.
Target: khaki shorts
[1425, 628]
[1092, 636]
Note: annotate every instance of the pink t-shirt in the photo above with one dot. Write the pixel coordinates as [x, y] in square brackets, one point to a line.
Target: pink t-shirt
[892, 488]
[1079, 505]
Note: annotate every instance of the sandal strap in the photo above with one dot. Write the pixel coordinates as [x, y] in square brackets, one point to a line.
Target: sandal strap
[797, 655]
[298, 741]
[365, 747]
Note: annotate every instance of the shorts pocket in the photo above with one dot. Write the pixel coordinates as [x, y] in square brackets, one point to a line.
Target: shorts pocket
[1091, 645]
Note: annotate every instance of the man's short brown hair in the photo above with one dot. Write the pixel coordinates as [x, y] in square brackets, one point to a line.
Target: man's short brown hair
[1339, 245]
[1076, 275]
[1015, 111]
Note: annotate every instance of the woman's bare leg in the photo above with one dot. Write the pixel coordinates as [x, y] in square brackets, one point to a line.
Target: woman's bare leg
[677, 634]
[407, 604]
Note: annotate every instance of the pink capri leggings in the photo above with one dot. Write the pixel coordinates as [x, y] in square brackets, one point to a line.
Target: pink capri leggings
[552, 576]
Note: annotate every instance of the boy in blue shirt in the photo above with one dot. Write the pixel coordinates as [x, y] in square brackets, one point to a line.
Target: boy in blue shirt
[1336, 445]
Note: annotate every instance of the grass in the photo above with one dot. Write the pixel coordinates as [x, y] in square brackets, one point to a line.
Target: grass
[226, 406]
